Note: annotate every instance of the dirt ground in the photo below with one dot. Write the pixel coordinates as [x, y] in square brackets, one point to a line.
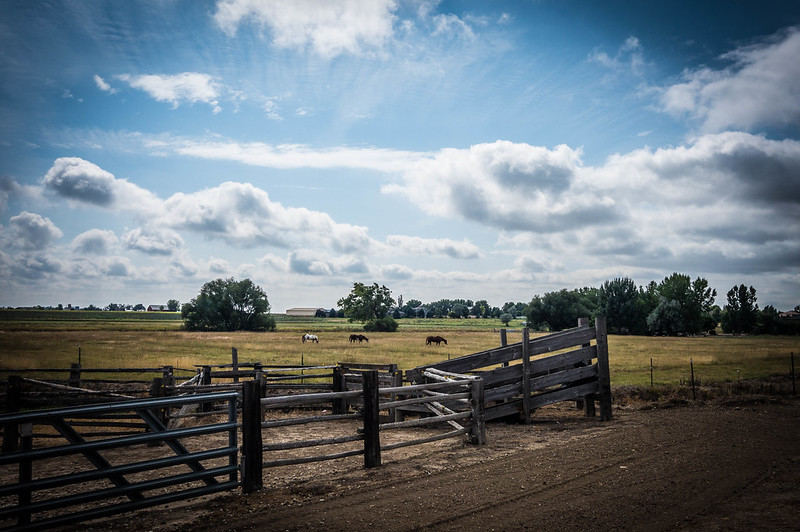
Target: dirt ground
[729, 465]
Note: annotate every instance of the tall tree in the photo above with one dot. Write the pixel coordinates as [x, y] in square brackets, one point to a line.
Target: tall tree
[560, 310]
[618, 302]
[689, 308]
[366, 303]
[229, 305]
[741, 313]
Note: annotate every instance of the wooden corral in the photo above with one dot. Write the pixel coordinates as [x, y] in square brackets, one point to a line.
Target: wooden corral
[458, 396]
[524, 376]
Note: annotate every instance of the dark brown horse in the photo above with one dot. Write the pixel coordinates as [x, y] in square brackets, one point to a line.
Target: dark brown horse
[435, 340]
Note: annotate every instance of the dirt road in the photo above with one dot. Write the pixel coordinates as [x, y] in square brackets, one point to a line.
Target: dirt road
[714, 467]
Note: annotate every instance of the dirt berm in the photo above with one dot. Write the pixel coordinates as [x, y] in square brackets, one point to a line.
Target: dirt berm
[722, 466]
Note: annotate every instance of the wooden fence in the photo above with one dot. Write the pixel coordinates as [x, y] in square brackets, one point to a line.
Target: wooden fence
[521, 377]
[442, 397]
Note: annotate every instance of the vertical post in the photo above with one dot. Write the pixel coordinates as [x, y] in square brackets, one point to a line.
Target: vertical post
[372, 440]
[157, 390]
[651, 372]
[79, 354]
[394, 373]
[504, 343]
[252, 446]
[75, 375]
[691, 367]
[397, 382]
[13, 404]
[25, 476]
[339, 403]
[477, 433]
[587, 400]
[205, 380]
[235, 364]
[794, 387]
[604, 374]
[526, 375]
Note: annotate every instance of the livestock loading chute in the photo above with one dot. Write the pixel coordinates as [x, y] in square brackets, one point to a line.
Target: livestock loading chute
[521, 377]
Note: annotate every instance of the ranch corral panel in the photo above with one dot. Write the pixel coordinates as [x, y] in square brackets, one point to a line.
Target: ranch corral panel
[521, 377]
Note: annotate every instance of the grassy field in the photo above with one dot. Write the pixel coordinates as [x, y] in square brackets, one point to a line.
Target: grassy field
[126, 339]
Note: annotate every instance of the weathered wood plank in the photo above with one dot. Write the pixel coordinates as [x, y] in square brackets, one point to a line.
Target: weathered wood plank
[563, 377]
[545, 344]
[286, 445]
[564, 394]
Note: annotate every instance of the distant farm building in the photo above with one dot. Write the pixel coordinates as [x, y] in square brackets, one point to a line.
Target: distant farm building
[156, 308]
[305, 312]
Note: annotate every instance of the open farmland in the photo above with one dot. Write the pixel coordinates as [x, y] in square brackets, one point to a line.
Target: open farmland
[48, 339]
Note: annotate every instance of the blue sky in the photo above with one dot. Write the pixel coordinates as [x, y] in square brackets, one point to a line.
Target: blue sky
[477, 150]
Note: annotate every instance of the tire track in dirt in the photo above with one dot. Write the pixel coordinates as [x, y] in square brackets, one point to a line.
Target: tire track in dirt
[655, 470]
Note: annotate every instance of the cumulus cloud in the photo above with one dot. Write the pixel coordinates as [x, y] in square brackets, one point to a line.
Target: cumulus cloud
[81, 181]
[415, 245]
[153, 241]
[94, 241]
[31, 231]
[10, 189]
[186, 87]
[244, 215]
[507, 185]
[758, 88]
[311, 262]
[327, 28]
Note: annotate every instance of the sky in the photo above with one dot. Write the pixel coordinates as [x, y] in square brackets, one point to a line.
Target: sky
[461, 150]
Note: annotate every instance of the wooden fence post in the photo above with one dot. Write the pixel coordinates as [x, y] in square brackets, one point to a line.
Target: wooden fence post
[587, 401]
[339, 385]
[205, 380]
[252, 446]
[396, 414]
[235, 364]
[477, 433]
[504, 342]
[604, 375]
[75, 375]
[13, 404]
[372, 440]
[526, 375]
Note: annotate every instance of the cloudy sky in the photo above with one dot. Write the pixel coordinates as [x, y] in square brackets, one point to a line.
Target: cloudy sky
[478, 150]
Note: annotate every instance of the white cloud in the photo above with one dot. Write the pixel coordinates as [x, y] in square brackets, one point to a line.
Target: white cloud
[433, 246]
[186, 87]
[83, 182]
[95, 241]
[328, 28]
[32, 231]
[506, 185]
[282, 155]
[103, 85]
[759, 88]
[152, 241]
[629, 57]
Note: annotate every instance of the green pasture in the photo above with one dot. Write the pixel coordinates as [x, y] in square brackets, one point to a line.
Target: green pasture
[137, 339]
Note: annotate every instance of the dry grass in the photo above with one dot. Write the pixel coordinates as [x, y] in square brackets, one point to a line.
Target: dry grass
[719, 359]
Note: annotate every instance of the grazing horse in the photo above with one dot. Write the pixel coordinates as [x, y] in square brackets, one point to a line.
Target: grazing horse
[310, 338]
[354, 338]
[435, 340]
[362, 338]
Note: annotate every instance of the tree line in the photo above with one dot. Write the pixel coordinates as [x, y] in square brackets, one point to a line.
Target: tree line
[677, 305]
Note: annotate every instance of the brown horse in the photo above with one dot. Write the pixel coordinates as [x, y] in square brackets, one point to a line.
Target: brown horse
[435, 340]
[359, 338]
